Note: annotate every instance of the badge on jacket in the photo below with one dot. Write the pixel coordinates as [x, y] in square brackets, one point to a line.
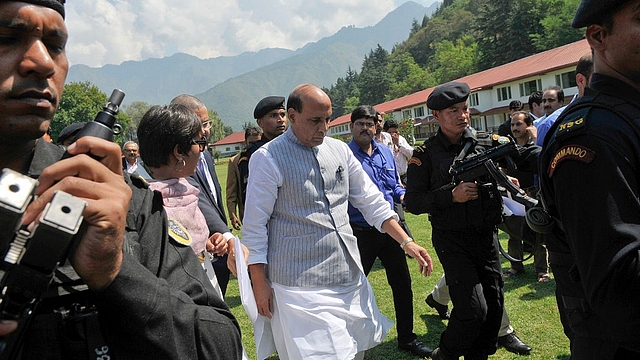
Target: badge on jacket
[178, 233]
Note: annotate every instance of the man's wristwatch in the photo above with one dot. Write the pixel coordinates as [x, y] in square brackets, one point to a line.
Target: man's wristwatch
[405, 242]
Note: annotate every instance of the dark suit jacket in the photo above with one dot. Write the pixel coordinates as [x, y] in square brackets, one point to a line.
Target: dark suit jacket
[213, 210]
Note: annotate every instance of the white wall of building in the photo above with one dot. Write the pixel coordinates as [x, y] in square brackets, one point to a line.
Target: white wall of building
[227, 149]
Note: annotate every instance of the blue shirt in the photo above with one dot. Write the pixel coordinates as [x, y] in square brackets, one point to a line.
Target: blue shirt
[381, 168]
[545, 124]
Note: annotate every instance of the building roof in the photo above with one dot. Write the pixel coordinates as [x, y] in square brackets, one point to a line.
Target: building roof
[550, 60]
[234, 138]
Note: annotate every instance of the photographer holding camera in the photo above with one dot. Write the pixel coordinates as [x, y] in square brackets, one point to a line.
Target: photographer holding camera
[130, 291]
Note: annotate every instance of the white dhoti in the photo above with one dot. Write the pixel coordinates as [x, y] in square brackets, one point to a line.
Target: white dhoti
[327, 323]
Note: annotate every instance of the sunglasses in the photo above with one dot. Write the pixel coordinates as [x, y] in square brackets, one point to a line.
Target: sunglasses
[202, 143]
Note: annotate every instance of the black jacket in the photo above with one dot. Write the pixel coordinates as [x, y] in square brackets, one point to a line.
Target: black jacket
[160, 305]
[590, 180]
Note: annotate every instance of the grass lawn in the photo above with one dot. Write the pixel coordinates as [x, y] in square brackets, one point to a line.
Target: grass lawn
[531, 306]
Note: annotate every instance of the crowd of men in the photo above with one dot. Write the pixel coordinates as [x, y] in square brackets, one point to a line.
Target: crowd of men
[316, 212]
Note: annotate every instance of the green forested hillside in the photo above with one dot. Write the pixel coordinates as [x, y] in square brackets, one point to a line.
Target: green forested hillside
[461, 38]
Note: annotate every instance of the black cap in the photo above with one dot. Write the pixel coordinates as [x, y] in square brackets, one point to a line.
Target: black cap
[516, 105]
[251, 131]
[449, 94]
[57, 5]
[592, 11]
[70, 131]
[267, 104]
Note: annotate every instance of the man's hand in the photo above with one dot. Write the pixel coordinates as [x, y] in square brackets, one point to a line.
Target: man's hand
[464, 192]
[261, 290]
[7, 327]
[395, 137]
[513, 180]
[98, 255]
[532, 133]
[235, 222]
[217, 244]
[422, 255]
[231, 259]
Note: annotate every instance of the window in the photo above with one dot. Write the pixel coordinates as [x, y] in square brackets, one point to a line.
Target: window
[418, 112]
[406, 114]
[566, 80]
[504, 93]
[526, 88]
[237, 147]
[227, 149]
[473, 100]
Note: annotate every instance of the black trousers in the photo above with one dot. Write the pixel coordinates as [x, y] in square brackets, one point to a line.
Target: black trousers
[581, 324]
[222, 272]
[374, 244]
[474, 275]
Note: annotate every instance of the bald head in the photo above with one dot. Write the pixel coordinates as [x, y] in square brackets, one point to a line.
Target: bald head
[194, 104]
[309, 111]
[189, 101]
[305, 92]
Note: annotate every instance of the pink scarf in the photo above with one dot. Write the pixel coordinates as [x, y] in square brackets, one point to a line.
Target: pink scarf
[181, 203]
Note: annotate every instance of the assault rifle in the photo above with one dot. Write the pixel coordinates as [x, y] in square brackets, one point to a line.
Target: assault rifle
[30, 257]
[480, 165]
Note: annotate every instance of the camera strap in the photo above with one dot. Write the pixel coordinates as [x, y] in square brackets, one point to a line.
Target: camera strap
[96, 345]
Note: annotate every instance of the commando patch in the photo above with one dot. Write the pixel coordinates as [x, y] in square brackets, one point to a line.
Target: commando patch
[178, 233]
[569, 126]
[500, 139]
[571, 152]
[414, 160]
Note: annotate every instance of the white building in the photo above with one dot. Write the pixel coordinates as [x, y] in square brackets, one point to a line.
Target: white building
[491, 91]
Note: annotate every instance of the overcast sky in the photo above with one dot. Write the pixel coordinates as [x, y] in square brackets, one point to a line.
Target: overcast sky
[112, 31]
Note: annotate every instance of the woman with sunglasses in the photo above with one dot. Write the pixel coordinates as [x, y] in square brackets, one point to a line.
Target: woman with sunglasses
[171, 138]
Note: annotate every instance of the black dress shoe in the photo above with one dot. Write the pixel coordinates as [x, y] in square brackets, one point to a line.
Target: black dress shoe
[513, 344]
[443, 310]
[416, 347]
[438, 355]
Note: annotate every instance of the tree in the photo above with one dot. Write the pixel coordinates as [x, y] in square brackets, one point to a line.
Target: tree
[453, 61]
[504, 28]
[492, 27]
[415, 27]
[344, 89]
[374, 81]
[135, 111]
[351, 104]
[407, 76]
[448, 23]
[425, 21]
[217, 127]
[248, 124]
[555, 30]
[405, 128]
[81, 102]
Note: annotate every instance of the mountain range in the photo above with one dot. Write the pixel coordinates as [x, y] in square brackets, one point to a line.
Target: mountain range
[232, 85]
